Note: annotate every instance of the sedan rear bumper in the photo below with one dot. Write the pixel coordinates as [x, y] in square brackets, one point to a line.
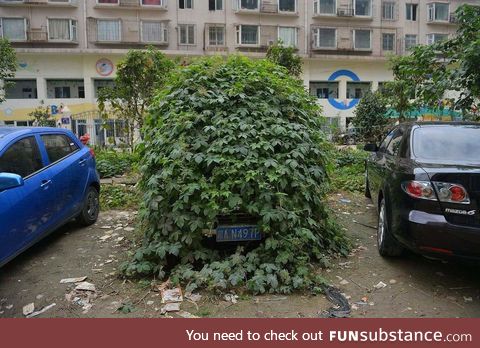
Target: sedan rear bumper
[433, 234]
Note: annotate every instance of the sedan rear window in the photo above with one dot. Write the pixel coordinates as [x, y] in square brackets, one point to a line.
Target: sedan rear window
[447, 143]
[58, 146]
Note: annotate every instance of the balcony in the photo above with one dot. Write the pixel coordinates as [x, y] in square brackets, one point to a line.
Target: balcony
[43, 3]
[343, 10]
[268, 7]
[343, 40]
[127, 32]
[133, 4]
[258, 38]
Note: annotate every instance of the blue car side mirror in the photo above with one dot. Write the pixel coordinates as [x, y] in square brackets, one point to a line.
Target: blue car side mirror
[9, 181]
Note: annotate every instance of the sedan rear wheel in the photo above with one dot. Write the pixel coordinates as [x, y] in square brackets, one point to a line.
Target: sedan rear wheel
[91, 208]
[387, 244]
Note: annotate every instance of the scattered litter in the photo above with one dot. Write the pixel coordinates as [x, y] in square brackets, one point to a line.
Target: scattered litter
[380, 285]
[149, 303]
[346, 201]
[467, 299]
[341, 308]
[193, 297]
[170, 307]
[105, 237]
[187, 315]
[39, 297]
[119, 239]
[28, 309]
[231, 298]
[354, 307]
[43, 310]
[393, 281]
[9, 306]
[85, 286]
[129, 229]
[72, 280]
[172, 295]
[344, 282]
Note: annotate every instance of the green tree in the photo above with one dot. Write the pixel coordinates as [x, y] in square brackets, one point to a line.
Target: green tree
[235, 138]
[370, 117]
[139, 76]
[41, 115]
[285, 56]
[8, 65]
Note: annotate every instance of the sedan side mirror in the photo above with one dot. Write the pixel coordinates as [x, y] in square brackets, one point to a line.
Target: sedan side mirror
[9, 181]
[371, 147]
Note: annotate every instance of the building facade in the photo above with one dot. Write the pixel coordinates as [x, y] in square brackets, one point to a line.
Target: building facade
[68, 49]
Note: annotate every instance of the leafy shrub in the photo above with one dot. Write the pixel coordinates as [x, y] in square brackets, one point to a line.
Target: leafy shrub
[119, 197]
[370, 118]
[230, 137]
[111, 163]
[349, 171]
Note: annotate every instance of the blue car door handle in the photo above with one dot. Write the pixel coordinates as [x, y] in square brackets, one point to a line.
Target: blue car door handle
[45, 183]
[82, 161]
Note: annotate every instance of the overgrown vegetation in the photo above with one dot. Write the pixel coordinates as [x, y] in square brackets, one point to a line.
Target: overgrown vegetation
[285, 56]
[235, 137]
[370, 119]
[112, 163]
[41, 115]
[119, 197]
[139, 75]
[8, 65]
[349, 171]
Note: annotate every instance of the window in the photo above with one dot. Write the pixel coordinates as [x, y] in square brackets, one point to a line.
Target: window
[248, 34]
[185, 4]
[216, 36]
[361, 39]
[187, 34]
[62, 30]
[388, 42]
[435, 38]
[65, 89]
[394, 145]
[21, 89]
[99, 84]
[363, 8]
[324, 90]
[328, 7]
[107, 1]
[325, 38]
[153, 2]
[248, 4]
[388, 10]
[58, 146]
[13, 29]
[438, 11]
[411, 12]
[287, 5]
[109, 30]
[288, 36]
[154, 32]
[356, 90]
[410, 41]
[215, 5]
[22, 158]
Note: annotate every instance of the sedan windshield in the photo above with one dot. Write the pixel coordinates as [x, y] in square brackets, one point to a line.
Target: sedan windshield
[453, 143]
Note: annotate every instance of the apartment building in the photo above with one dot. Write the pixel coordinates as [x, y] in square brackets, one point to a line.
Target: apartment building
[68, 49]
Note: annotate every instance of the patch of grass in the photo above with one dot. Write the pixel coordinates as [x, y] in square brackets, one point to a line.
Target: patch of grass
[119, 197]
[112, 163]
[349, 170]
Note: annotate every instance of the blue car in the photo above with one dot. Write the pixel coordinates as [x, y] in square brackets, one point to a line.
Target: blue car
[47, 178]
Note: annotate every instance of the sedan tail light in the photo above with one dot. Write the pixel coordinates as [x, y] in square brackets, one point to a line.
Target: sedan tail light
[92, 152]
[446, 192]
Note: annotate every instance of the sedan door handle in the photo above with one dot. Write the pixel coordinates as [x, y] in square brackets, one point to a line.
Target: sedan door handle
[82, 161]
[45, 183]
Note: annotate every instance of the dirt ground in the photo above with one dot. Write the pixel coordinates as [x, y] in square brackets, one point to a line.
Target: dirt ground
[411, 286]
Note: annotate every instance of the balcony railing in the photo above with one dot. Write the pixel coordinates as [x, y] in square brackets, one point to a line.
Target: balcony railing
[53, 3]
[267, 7]
[129, 32]
[137, 4]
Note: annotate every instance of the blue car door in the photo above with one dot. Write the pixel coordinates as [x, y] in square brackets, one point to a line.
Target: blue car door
[25, 211]
[70, 173]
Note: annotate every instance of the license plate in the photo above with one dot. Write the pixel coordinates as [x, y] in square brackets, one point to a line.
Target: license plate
[238, 233]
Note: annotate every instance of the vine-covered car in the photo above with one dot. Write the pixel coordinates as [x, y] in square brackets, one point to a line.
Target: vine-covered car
[425, 181]
[47, 178]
